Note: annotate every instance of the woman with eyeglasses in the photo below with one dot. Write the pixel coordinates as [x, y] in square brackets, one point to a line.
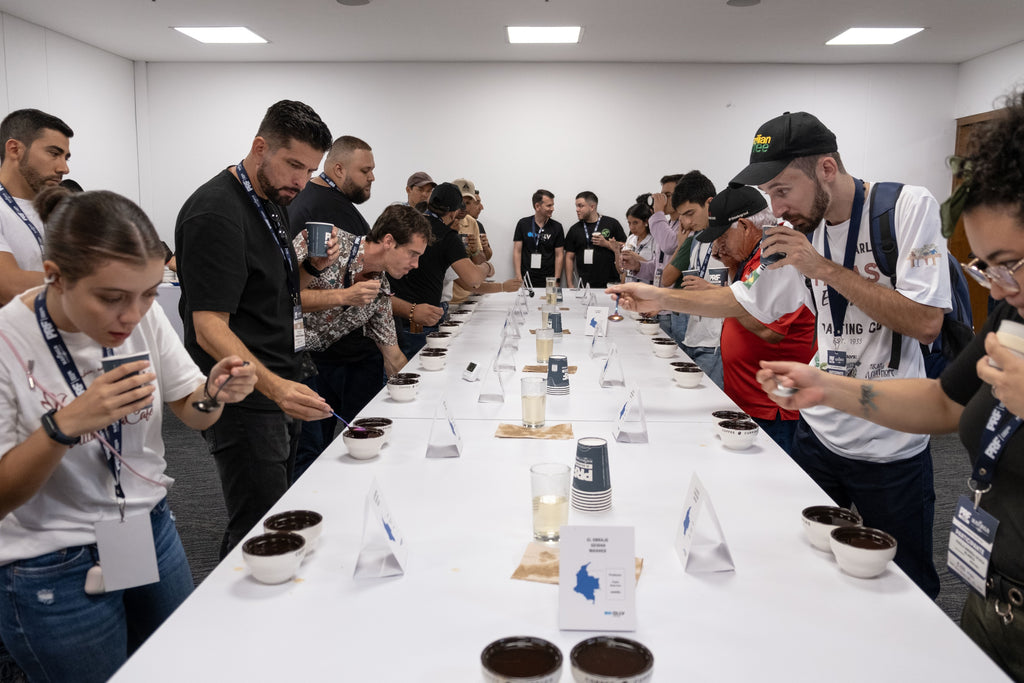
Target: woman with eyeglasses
[980, 394]
[90, 561]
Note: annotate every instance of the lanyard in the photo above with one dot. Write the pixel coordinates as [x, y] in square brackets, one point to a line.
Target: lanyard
[743, 264]
[703, 269]
[347, 279]
[277, 231]
[536, 234]
[324, 177]
[21, 214]
[837, 303]
[590, 233]
[1001, 425]
[66, 364]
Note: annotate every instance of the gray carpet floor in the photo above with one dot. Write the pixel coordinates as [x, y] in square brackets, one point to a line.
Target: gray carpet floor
[199, 506]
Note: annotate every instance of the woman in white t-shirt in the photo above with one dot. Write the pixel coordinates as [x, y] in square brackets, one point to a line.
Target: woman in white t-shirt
[640, 241]
[90, 561]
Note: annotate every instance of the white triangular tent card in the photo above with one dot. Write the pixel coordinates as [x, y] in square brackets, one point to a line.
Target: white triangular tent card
[700, 542]
[444, 441]
[631, 421]
[612, 374]
[382, 552]
[492, 389]
[597, 321]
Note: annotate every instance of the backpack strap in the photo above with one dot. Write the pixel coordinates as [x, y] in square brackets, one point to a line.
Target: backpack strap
[882, 212]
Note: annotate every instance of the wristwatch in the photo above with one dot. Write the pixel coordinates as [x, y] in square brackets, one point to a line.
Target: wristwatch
[53, 431]
[311, 269]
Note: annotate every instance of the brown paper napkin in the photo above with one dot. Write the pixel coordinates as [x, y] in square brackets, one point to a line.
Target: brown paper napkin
[544, 368]
[540, 564]
[555, 432]
[564, 331]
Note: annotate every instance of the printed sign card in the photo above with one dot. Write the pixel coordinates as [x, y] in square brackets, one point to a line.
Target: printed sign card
[702, 549]
[597, 321]
[382, 552]
[631, 422]
[597, 579]
[444, 441]
[612, 374]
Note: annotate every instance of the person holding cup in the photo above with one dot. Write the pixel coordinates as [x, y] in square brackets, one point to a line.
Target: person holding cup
[81, 450]
[981, 392]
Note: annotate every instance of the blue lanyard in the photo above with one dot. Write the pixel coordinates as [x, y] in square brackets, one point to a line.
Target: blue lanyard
[21, 214]
[837, 303]
[703, 269]
[590, 233]
[536, 235]
[66, 364]
[1000, 426]
[347, 279]
[324, 177]
[276, 231]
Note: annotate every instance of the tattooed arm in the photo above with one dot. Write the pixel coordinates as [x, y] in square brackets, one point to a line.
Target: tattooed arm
[918, 406]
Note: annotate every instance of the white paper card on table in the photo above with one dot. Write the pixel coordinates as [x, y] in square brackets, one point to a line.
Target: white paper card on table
[492, 388]
[612, 374]
[127, 552]
[445, 440]
[631, 422]
[701, 549]
[597, 321]
[597, 578]
[382, 552]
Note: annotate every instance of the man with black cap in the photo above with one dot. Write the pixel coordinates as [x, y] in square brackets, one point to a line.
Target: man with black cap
[886, 474]
[417, 301]
[736, 217]
[418, 188]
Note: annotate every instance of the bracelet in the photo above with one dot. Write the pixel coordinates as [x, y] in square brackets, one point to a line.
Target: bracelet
[311, 269]
[412, 312]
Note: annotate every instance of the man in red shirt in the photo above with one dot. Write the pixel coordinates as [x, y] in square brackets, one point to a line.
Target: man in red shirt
[736, 217]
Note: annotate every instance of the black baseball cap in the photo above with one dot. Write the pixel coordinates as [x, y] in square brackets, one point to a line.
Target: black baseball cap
[781, 140]
[447, 197]
[728, 206]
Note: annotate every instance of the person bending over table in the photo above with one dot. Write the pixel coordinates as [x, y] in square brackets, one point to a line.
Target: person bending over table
[80, 447]
[982, 402]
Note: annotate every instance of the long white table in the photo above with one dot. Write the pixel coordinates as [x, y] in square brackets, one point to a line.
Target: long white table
[786, 613]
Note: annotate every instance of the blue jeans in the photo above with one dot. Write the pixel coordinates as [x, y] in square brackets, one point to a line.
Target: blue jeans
[58, 633]
[347, 388]
[665, 320]
[781, 431]
[709, 358]
[255, 453]
[896, 497]
[679, 323]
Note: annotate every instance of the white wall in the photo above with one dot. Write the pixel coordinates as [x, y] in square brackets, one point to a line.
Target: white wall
[983, 81]
[92, 90]
[610, 128]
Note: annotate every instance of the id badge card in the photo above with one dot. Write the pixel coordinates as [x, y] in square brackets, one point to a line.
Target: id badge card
[836, 362]
[970, 544]
[298, 330]
[534, 261]
[588, 257]
[127, 552]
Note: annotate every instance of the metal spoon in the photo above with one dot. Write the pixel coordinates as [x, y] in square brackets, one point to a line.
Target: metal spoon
[615, 317]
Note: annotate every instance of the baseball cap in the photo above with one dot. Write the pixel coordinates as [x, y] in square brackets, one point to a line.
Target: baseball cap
[420, 178]
[781, 140]
[447, 197]
[728, 206]
[467, 187]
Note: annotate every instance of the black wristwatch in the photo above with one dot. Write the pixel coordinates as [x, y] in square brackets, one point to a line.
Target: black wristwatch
[311, 269]
[53, 431]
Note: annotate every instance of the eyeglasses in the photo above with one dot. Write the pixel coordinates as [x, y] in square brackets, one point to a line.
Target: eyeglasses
[1001, 275]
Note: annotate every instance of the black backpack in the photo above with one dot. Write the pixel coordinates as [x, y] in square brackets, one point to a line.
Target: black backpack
[957, 327]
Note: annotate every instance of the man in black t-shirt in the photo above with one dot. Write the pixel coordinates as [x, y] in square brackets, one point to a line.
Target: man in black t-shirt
[240, 289]
[590, 244]
[417, 301]
[350, 371]
[539, 241]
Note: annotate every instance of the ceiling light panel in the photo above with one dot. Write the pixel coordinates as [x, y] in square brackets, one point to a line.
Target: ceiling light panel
[873, 36]
[544, 34]
[220, 34]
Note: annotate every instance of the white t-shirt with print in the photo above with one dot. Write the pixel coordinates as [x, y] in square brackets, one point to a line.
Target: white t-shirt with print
[17, 239]
[864, 348]
[80, 492]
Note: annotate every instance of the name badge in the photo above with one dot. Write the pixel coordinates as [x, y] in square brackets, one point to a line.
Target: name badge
[970, 544]
[588, 257]
[298, 330]
[837, 362]
[534, 261]
[127, 552]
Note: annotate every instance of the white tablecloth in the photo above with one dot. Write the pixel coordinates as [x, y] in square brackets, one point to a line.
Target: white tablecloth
[786, 613]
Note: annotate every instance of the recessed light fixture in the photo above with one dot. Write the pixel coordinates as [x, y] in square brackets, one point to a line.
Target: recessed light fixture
[873, 36]
[354, 3]
[742, 3]
[220, 34]
[544, 34]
